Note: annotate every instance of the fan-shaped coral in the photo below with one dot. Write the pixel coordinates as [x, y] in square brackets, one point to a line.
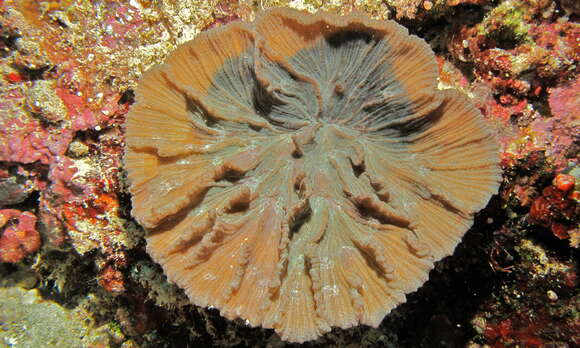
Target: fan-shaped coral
[302, 171]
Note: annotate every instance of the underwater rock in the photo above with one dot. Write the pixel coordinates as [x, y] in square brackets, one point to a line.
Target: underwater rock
[28, 320]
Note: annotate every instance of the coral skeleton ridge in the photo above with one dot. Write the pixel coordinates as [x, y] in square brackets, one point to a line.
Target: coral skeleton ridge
[303, 172]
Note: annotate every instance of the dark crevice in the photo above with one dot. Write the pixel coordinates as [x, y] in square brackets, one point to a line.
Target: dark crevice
[238, 207]
[128, 97]
[371, 261]
[255, 128]
[297, 153]
[301, 217]
[342, 38]
[368, 210]
[209, 120]
[435, 28]
[16, 192]
[299, 186]
[7, 41]
[448, 205]
[272, 91]
[358, 169]
[66, 277]
[61, 23]
[33, 74]
[239, 204]
[505, 38]
[170, 222]
[308, 270]
[231, 175]
[190, 103]
[420, 124]
[365, 211]
[31, 201]
[262, 101]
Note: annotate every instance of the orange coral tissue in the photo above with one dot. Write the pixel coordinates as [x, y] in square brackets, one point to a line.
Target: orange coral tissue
[303, 172]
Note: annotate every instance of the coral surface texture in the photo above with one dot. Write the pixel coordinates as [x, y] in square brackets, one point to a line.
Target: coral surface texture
[303, 171]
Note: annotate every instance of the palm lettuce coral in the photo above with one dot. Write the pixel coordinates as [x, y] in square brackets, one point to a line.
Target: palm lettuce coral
[303, 171]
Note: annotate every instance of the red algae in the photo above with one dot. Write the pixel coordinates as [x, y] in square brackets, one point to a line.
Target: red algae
[112, 279]
[554, 209]
[564, 182]
[23, 138]
[18, 235]
[514, 76]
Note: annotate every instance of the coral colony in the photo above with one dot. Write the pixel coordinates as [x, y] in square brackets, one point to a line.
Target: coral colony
[295, 171]
[302, 171]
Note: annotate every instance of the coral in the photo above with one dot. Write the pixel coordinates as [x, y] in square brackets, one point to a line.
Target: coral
[514, 52]
[19, 236]
[227, 11]
[520, 330]
[314, 190]
[67, 73]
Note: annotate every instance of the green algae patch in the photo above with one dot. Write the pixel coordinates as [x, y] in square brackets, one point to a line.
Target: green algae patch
[507, 23]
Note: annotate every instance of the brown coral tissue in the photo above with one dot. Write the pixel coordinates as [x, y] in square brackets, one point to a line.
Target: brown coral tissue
[303, 172]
